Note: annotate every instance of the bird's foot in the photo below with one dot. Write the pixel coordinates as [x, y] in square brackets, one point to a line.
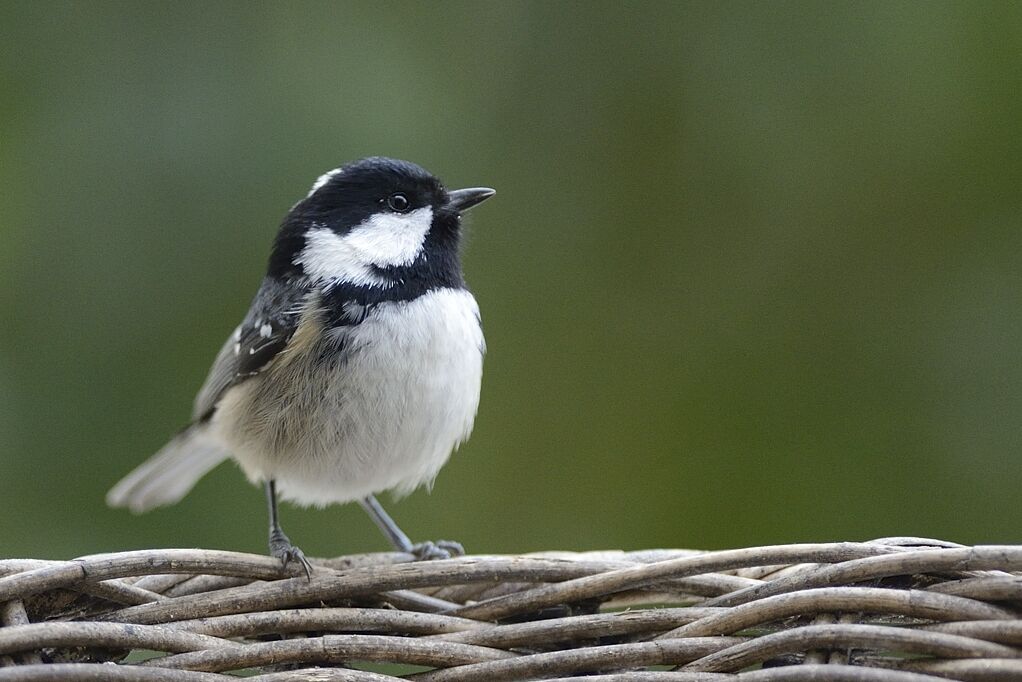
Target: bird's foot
[281, 547]
[441, 549]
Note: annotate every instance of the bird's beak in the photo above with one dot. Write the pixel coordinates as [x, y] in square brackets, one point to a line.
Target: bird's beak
[464, 199]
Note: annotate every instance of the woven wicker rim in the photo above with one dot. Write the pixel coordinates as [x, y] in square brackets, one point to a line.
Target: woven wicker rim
[891, 609]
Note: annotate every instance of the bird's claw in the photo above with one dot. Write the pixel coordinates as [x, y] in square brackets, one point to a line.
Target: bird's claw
[441, 549]
[281, 548]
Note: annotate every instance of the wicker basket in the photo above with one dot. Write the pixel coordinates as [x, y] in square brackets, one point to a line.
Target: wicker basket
[892, 609]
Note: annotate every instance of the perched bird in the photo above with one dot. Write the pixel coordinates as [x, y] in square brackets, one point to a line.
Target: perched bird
[357, 367]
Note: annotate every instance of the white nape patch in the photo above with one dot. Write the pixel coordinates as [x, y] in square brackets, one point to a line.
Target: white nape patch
[322, 180]
[382, 240]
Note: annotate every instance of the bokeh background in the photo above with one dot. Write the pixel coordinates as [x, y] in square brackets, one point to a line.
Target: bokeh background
[752, 274]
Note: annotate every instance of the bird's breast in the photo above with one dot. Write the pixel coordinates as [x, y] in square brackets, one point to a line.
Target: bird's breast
[367, 407]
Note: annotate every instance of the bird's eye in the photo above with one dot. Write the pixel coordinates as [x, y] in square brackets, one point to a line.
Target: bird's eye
[398, 202]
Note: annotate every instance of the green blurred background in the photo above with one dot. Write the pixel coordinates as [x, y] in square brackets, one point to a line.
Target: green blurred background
[752, 274]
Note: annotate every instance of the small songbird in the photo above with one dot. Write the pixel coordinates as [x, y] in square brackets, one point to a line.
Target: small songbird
[358, 365]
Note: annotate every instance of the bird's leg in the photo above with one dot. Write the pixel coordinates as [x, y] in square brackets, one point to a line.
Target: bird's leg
[280, 544]
[441, 549]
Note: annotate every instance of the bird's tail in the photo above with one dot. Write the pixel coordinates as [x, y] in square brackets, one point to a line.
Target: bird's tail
[168, 475]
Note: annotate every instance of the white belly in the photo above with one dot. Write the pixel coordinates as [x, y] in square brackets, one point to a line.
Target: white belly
[385, 416]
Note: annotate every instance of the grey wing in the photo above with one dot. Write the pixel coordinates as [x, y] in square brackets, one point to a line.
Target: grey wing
[168, 475]
[220, 376]
[269, 325]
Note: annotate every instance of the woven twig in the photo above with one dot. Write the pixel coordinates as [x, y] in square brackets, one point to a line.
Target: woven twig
[895, 609]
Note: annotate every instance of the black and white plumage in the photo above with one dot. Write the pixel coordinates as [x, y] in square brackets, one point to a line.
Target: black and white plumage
[358, 365]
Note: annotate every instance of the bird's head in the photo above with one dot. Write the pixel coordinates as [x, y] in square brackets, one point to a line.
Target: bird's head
[375, 222]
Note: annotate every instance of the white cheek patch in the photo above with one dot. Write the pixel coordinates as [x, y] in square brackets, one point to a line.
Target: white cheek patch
[388, 239]
[329, 257]
[383, 240]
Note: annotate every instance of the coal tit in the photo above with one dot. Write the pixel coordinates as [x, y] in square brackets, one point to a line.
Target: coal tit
[357, 368]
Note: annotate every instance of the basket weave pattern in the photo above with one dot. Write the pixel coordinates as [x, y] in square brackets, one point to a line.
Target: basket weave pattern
[894, 609]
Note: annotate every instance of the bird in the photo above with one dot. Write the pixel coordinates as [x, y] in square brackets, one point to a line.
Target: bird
[357, 368]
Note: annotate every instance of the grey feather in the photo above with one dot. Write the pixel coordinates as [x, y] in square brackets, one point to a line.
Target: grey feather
[168, 475]
[223, 371]
[268, 326]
